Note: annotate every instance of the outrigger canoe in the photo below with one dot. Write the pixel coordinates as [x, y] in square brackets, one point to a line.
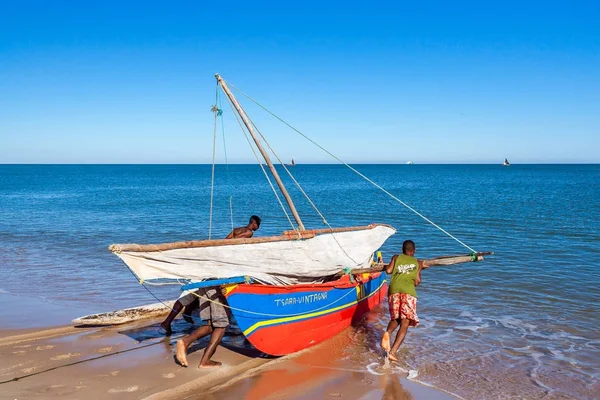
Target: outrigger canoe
[273, 284]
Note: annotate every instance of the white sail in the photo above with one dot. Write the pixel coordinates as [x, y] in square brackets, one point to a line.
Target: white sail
[280, 262]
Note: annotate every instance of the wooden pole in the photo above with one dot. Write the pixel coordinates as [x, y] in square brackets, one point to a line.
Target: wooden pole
[242, 114]
[445, 260]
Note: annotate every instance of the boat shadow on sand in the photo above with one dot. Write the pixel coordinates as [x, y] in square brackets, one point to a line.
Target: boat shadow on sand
[233, 340]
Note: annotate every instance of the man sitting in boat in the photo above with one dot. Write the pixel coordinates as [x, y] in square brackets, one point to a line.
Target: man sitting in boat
[188, 299]
[402, 296]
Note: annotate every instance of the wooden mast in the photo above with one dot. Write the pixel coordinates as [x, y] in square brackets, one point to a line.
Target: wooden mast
[242, 114]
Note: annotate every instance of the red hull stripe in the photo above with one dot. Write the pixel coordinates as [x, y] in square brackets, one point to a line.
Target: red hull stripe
[286, 320]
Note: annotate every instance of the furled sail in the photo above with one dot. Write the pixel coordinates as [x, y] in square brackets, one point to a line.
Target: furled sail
[279, 260]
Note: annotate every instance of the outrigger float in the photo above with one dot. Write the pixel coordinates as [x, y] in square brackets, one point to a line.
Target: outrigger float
[287, 292]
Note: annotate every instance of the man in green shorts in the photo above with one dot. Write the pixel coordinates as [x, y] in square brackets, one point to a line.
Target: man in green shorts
[402, 296]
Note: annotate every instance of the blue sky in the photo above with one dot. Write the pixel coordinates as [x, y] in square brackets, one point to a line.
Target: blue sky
[432, 82]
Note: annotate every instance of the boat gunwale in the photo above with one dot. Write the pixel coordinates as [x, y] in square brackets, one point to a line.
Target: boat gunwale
[342, 283]
[290, 235]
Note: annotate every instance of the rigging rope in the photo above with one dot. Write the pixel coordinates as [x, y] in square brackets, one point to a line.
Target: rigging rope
[226, 160]
[260, 164]
[300, 188]
[212, 180]
[353, 169]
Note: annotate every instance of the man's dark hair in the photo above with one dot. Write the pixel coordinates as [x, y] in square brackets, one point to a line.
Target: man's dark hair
[408, 245]
[256, 219]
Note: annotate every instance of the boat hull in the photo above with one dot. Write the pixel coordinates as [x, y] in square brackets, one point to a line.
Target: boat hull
[280, 320]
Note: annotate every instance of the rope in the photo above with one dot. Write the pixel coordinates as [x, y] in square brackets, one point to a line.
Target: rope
[261, 166]
[212, 181]
[92, 359]
[353, 169]
[149, 291]
[288, 172]
[226, 160]
[301, 190]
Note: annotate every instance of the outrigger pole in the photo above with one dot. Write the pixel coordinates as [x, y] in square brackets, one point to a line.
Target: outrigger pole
[242, 114]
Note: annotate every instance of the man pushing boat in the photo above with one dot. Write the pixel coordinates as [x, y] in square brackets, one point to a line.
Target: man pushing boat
[211, 303]
[402, 296]
[213, 311]
[189, 300]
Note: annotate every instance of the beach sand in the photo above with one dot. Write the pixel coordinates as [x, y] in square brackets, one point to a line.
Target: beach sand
[135, 361]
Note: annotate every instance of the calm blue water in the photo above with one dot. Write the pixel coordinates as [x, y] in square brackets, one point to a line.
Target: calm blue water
[522, 323]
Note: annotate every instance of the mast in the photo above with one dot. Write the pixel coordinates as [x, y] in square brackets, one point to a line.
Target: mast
[242, 114]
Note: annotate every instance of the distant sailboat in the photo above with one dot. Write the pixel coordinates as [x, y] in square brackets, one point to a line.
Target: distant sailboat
[506, 163]
[292, 163]
[410, 162]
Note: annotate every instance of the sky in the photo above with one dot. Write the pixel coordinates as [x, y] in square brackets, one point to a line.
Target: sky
[386, 82]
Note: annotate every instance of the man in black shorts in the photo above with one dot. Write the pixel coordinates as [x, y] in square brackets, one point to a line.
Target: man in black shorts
[188, 301]
[211, 302]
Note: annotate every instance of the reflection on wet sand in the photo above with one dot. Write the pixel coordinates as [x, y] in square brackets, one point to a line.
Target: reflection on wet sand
[335, 369]
[394, 389]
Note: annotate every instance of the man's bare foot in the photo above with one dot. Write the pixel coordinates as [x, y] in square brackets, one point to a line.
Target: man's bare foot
[180, 355]
[385, 342]
[188, 319]
[392, 357]
[210, 364]
[167, 328]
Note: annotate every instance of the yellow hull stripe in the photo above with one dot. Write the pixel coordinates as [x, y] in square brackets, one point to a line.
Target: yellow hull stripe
[309, 315]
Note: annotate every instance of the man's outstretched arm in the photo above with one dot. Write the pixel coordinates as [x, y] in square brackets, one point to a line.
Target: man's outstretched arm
[390, 267]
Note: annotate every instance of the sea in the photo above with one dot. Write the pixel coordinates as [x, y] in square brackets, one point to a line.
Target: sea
[523, 323]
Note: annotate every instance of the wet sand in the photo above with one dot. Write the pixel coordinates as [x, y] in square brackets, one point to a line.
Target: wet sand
[135, 361]
[319, 373]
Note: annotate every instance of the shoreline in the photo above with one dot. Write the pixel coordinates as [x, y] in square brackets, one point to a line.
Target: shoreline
[135, 361]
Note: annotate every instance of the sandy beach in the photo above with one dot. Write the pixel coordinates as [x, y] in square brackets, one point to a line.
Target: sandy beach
[135, 361]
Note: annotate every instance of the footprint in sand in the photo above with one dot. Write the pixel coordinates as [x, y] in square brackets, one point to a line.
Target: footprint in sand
[24, 346]
[130, 389]
[170, 375]
[335, 394]
[44, 347]
[28, 370]
[114, 373]
[19, 352]
[65, 356]
[104, 350]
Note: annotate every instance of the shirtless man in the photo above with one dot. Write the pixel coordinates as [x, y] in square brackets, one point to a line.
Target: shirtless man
[189, 300]
[211, 302]
[245, 231]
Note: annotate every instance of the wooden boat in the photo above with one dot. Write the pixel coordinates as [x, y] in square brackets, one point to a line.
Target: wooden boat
[125, 316]
[279, 320]
[362, 276]
[265, 277]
